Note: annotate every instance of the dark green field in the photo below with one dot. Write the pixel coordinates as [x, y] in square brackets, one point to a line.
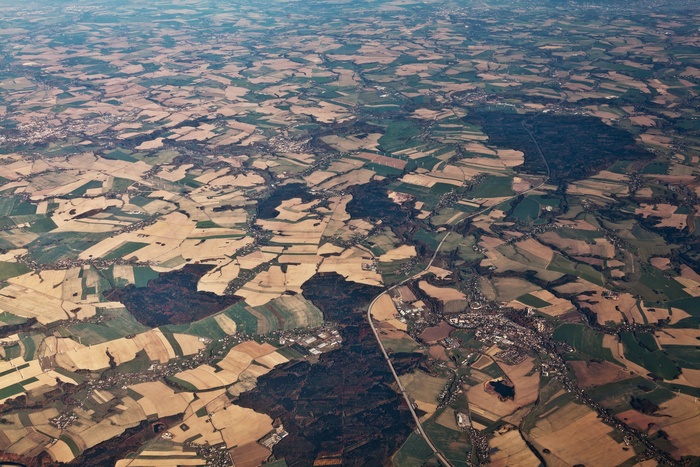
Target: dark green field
[531, 300]
[643, 351]
[584, 339]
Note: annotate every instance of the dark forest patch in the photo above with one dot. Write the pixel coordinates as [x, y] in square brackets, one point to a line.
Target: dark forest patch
[342, 405]
[267, 209]
[172, 298]
[371, 201]
[575, 146]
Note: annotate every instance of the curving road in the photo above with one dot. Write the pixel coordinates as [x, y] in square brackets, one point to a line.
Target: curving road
[440, 456]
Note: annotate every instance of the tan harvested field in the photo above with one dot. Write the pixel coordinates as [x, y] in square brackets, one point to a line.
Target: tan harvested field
[677, 315]
[690, 274]
[178, 459]
[656, 314]
[161, 400]
[558, 307]
[264, 287]
[509, 288]
[678, 417]
[250, 455]
[670, 336]
[122, 350]
[422, 386]
[615, 310]
[382, 160]
[349, 265]
[254, 350]
[226, 324]
[482, 362]
[384, 308]
[666, 214]
[660, 262]
[239, 425]
[593, 445]
[691, 287]
[526, 390]
[444, 294]
[536, 249]
[395, 338]
[271, 360]
[610, 342]
[440, 273]
[592, 374]
[399, 253]
[602, 247]
[510, 450]
[30, 303]
[436, 333]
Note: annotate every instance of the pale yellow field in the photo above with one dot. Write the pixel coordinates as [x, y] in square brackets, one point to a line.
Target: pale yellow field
[508, 288]
[239, 425]
[593, 444]
[511, 450]
[444, 294]
[264, 287]
[122, 350]
[526, 389]
[349, 265]
[606, 309]
[399, 253]
[161, 400]
[272, 360]
[558, 306]
[384, 308]
[537, 249]
[602, 247]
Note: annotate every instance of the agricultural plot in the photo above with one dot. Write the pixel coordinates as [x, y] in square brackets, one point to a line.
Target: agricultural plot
[555, 430]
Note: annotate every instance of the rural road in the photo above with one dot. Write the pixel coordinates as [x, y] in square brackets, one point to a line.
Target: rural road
[405, 394]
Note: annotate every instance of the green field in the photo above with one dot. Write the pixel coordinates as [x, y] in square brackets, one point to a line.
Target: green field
[120, 323]
[8, 270]
[71, 444]
[42, 225]
[184, 384]
[659, 284]
[584, 339]
[527, 210]
[398, 134]
[493, 187]
[493, 370]
[616, 396]
[288, 313]
[686, 356]
[245, 321]
[453, 444]
[9, 319]
[639, 350]
[431, 240]
[415, 452]
[382, 242]
[168, 333]
[30, 343]
[207, 225]
[125, 249]
[143, 274]
[531, 300]
[561, 264]
[53, 247]
[80, 191]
